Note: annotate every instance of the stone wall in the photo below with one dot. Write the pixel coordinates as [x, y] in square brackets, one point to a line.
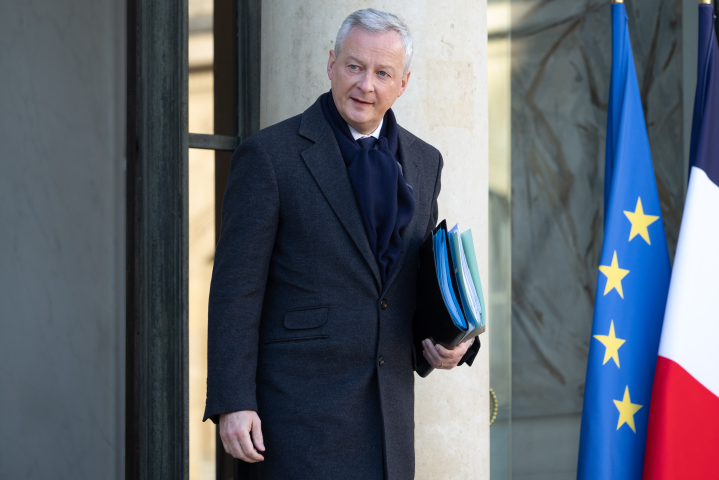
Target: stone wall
[62, 237]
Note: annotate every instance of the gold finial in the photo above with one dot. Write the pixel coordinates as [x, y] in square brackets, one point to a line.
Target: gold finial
[705, 2]
[620, 1]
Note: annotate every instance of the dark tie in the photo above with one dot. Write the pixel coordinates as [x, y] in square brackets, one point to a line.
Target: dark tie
[367, 142]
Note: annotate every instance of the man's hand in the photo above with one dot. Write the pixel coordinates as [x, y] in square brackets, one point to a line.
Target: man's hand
[235, 431]
[440, 357]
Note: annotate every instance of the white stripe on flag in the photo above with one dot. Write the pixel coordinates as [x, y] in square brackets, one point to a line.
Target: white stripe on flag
[690, 335]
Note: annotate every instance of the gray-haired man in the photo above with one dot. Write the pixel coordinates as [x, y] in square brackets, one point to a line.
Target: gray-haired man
[313, 289]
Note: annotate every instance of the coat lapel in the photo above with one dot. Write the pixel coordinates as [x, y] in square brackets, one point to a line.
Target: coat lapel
[325, 163]
[410, 170]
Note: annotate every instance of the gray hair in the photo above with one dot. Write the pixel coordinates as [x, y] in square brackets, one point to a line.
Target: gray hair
[376, 21]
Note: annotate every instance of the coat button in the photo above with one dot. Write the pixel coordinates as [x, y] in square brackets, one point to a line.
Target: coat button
[381, 360]
[383, 304]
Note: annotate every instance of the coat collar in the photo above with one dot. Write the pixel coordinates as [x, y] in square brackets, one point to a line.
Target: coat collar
[325, 163]
[313, 123]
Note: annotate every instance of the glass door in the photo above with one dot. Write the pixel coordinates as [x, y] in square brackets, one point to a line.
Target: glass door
[223, 104]
[499, 326]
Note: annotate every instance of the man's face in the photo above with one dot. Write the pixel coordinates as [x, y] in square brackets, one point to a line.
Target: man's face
[367, 77]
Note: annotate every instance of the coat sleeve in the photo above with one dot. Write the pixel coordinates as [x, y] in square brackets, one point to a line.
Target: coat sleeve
[471, 352]
[250, 216]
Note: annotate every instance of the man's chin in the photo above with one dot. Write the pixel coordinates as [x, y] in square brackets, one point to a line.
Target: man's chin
[360, 119]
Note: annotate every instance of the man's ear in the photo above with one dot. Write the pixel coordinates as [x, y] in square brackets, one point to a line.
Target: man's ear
[405, 82]
[330, 64]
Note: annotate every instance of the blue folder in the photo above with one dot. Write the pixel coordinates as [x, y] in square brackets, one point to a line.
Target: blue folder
[444, 313]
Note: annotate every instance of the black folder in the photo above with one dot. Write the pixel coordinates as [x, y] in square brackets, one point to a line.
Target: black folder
[432, 318]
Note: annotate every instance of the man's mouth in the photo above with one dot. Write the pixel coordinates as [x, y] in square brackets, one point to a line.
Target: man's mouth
[360, 102]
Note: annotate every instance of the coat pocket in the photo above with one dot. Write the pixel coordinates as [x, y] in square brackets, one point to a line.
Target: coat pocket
[306, 318]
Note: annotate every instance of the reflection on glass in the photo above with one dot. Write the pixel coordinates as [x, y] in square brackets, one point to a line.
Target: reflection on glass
[201, 234]
[499, 323]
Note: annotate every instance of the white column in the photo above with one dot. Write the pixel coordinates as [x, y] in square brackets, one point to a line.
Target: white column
[445, 105]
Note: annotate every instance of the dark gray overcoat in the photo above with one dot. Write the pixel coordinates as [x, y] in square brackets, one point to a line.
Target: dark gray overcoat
[300, 328]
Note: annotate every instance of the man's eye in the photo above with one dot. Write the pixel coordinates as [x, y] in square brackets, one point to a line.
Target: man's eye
[383, 74]
[354, 67]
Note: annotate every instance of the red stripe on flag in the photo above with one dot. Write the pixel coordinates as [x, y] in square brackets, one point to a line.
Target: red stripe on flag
[683, 434]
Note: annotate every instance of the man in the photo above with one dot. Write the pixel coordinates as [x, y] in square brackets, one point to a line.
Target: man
[310, 355]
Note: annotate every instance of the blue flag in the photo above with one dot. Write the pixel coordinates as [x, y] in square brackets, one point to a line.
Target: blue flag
[632, 285]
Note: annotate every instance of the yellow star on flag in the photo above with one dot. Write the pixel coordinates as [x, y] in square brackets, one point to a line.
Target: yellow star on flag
[640, 222]
[627, 409]
[612, 344]
[614, 276]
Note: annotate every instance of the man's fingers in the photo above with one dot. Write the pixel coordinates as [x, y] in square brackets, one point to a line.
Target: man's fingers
[249, 453]
[257, 435]
[235, 431]
[430, 353]
[445, 353]
[224, 444]
[432, 361]
[441, 354]
[229, 434]
[441, 361]
[441, 357]
[227, 440]
[235, 449]
[456, 354]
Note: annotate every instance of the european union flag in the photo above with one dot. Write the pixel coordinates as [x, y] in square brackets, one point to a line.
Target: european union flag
[633, 281]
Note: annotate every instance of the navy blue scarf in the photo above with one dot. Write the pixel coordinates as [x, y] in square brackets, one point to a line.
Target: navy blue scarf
[385, 201]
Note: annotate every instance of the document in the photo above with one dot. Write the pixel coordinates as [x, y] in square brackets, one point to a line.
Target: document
[468, 247]
[473, 309]
[444, 277]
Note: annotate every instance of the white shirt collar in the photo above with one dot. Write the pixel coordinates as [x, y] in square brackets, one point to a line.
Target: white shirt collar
[356, 135]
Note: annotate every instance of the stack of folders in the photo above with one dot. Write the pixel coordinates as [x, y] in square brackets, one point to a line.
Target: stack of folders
[450, 303]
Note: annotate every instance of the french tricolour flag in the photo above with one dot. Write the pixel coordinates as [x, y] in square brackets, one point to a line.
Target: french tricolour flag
[683, 434]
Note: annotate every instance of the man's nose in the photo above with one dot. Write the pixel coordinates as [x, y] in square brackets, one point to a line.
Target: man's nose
[366, 84]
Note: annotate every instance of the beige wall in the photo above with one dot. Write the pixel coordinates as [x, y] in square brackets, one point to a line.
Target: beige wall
[445, 105]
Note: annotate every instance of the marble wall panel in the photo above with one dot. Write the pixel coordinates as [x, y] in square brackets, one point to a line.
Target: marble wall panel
[62, 239]
[561, 63]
